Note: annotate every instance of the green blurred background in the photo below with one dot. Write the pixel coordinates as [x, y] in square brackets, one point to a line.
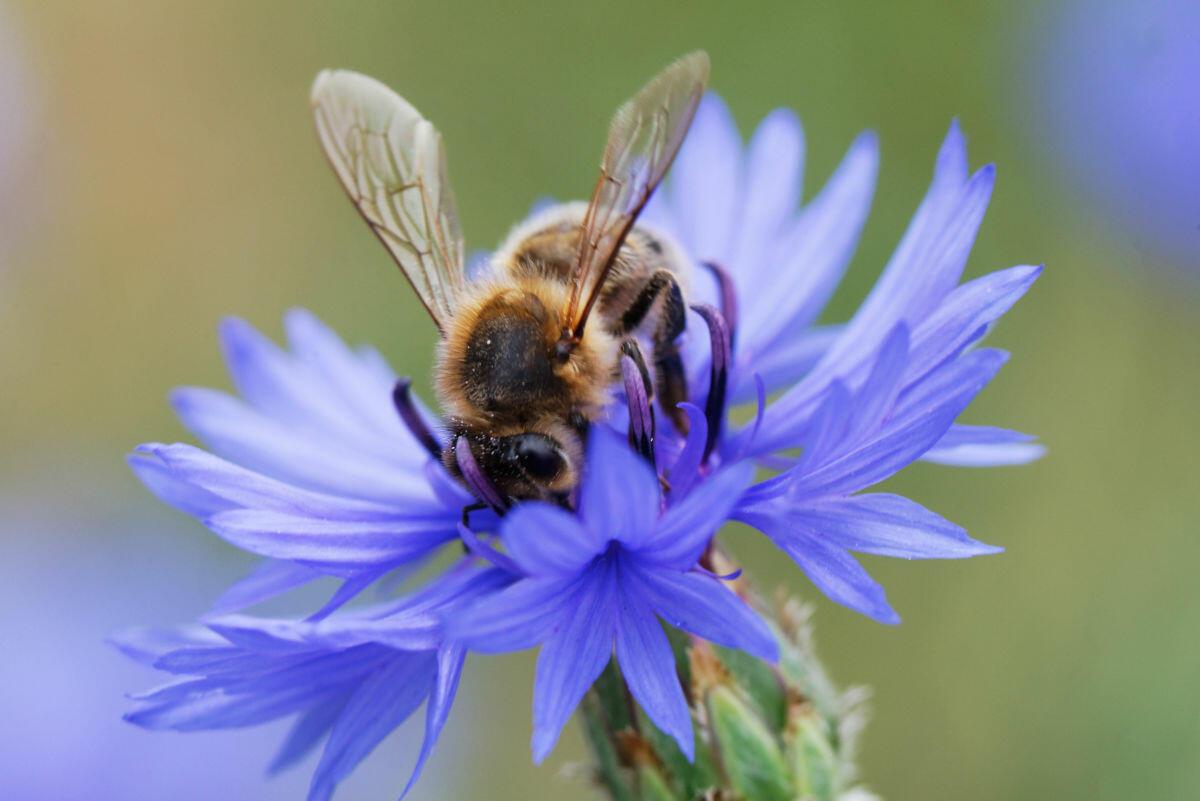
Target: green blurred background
[171, 177]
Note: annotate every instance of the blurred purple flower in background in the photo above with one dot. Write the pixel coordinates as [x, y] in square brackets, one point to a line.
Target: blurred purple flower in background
[1118, 84]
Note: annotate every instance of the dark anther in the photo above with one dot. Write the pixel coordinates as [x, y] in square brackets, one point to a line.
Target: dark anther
[637, 391]
[476, 479]
[714, 405]
[484, 550]
[728, 297]
[402, 398]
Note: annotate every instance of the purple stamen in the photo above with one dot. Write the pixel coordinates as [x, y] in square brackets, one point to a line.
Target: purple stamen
[688, 466]
[402, 398]
[714, 405]
[476, 479]
[728, 293]
[760, 390]
[485, 551]
[641, 416]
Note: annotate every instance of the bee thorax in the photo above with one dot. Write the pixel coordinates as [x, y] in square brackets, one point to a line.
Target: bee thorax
[505, 364]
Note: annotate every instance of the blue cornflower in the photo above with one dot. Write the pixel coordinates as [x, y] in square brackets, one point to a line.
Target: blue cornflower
[602, 579]
[326, 466]
[349, 680]
[312, 467]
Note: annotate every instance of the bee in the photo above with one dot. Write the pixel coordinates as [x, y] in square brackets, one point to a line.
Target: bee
[528, 356]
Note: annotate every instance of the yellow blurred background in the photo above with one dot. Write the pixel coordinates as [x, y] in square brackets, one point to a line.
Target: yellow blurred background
[169, 175]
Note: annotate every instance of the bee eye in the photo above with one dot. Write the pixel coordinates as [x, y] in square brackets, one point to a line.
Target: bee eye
[538, 455]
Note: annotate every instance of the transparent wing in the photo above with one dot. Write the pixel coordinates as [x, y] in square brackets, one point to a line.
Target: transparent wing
[391, 162]
[643, 138]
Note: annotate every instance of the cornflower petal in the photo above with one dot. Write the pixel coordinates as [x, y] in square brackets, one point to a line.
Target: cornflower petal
[888, 525]
[782, 362]
[377, 707]
[910, 286]
[685, 471]
[701, 605]
[687, 527]
[171, 488]
[269, 579]
[270, 446]
[354, 677]
[330, 544]
[239, 487]
[356, 384]
[620, 497]
[814, 253]
[306, 733]
[545, 540]
[572, 659]
[984, 446]
[450, 665]
[964, 314]
[648, 667]
[917, 423]
[832, 569]
[277, 385]
[518, 617]
[770, 191]
[704, 181]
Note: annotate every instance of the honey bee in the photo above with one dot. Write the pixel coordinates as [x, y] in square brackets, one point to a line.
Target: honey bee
[519, 371]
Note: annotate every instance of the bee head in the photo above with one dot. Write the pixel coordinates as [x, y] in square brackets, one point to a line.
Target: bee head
[526, 464]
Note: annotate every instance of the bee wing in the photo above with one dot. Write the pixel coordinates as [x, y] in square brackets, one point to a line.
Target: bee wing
[391, 162]
[643, 138]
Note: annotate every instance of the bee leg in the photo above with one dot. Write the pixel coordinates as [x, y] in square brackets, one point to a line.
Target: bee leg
[668, 364]
[640, 391]
[478, 506]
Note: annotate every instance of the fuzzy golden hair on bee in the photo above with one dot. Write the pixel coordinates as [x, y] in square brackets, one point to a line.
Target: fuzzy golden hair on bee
[497, 364]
